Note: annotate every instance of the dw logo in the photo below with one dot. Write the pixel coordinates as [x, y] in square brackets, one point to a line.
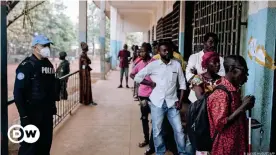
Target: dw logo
[29, 134]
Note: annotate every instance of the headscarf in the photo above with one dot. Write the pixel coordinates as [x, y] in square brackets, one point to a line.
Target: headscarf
[207, 57]
[84, 46]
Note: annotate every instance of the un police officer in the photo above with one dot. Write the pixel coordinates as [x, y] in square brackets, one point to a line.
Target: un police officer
[34, 94]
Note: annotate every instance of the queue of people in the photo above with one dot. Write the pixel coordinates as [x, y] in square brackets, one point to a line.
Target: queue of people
[161, 83]
[162, 80]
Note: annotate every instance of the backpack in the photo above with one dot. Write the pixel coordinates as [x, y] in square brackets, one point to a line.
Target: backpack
[198, 123]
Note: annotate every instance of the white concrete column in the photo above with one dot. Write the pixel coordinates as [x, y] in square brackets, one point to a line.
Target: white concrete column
[145, 36]
[83, 21]
[181, 28]
[122, 34]
[119, 33]
[123, 38]
[113, 36]
[102, 39]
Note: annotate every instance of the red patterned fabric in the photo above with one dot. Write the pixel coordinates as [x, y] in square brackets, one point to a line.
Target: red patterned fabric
[207, 57]
[232, 138]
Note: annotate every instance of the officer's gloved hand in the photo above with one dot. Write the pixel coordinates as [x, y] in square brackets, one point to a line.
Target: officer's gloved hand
[24, 121]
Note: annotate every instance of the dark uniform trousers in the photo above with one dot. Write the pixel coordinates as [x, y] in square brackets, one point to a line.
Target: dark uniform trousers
[35, 95]
[62, 70]
[43, 120]
[135, 90]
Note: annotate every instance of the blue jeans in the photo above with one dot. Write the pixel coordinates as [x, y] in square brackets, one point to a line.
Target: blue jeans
[173, 115]
[189, 148]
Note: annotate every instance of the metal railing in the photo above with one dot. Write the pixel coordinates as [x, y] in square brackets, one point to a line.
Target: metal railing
[65, 106]
[69, 96]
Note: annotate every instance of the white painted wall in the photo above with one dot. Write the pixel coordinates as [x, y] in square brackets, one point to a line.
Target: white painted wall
[119, 27]
[83, 21]
[139, 21]
[145, 36]
[255, 6]
[123, 38]
[113, 23]
[159, 12]
[164, 8]
[168, 7]
[136, 22]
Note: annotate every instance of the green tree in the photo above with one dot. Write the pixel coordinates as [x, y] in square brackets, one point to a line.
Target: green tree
[134, 38]
[94, 27]
[107, 35]
[48, 19]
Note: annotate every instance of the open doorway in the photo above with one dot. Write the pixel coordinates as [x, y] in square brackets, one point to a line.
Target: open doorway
[188, 36]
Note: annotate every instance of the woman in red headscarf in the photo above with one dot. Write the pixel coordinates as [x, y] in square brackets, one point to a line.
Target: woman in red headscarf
[206, 82]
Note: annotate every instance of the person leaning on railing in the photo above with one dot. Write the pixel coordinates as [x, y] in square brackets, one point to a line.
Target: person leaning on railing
[35, 96]
[62, 70]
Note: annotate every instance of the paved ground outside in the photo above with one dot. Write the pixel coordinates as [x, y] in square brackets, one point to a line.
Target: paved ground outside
[111, 128]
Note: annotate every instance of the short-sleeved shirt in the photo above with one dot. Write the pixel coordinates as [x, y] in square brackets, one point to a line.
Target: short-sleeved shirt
[166, 77]
[124, 55]
[144, 90]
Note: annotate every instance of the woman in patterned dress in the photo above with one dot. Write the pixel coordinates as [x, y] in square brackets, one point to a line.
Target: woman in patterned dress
[205, 83]
[229, 122]
[85, 77]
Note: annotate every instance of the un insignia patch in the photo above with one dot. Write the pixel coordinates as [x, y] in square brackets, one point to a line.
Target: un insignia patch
[20, 76]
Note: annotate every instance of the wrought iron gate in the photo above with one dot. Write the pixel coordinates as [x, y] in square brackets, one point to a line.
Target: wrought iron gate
[222, 18]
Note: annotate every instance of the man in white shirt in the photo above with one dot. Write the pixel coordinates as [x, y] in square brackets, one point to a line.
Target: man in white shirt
[165, 73]
[194, 64]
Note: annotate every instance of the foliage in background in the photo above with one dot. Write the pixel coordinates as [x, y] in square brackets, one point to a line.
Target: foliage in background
[135, 38]
[107, 35]
[48, 19]
[93, 27]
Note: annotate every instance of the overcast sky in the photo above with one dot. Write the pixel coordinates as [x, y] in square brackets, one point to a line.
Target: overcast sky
[72, 9]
